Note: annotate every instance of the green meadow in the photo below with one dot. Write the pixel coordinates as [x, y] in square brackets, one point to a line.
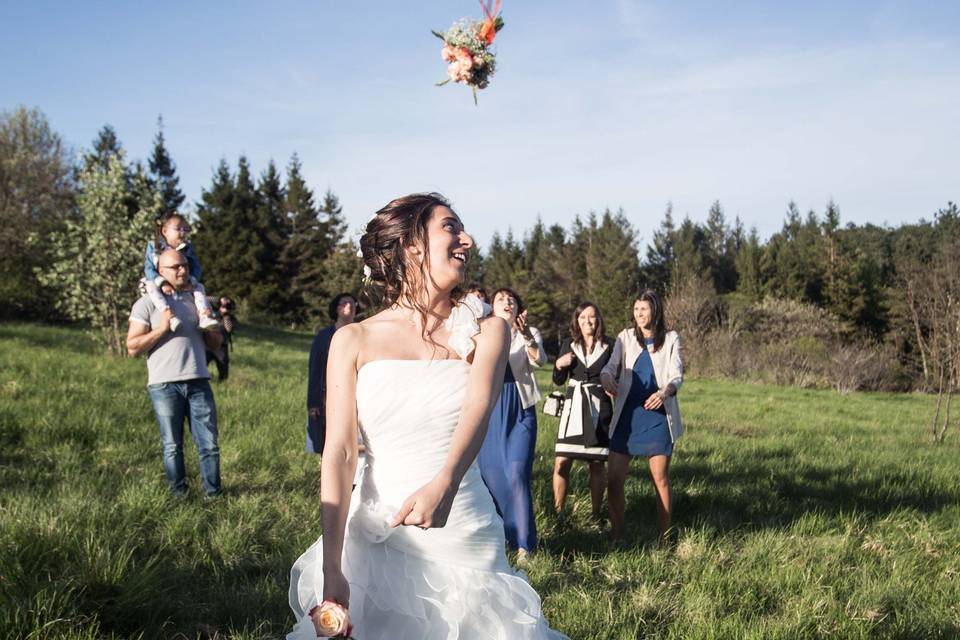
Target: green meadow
[800, 513]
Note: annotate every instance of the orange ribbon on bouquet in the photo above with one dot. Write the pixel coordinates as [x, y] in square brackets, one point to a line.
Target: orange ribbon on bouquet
[488, 31]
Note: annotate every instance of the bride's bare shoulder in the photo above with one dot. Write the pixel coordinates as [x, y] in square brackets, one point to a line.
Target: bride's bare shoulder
[381, 323]
[381, 336]
[347, 339]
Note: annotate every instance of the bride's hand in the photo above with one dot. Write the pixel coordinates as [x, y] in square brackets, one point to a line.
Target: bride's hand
[427, 507]
[336, 588]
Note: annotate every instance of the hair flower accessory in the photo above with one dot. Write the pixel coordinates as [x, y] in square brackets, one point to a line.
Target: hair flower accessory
[466, 48]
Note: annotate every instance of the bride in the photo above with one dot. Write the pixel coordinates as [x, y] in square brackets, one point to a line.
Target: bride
[419, 551]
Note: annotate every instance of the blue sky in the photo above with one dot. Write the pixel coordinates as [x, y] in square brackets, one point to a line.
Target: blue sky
[595, 104]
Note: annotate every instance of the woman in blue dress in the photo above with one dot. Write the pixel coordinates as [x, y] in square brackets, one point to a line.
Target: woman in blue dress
[643, 375]
[506, 458]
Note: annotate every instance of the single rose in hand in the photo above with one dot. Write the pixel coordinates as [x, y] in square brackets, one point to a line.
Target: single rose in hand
[331, 620]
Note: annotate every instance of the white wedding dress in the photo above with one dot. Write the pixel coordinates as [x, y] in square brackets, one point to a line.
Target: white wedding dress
[407, 583]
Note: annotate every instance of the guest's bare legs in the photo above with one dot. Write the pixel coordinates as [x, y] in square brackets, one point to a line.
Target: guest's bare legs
[617, 466]
[659, 471]
[561, 478]
[598, 482]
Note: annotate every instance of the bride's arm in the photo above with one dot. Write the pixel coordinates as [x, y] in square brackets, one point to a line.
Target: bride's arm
[483, 388]
[430, 505]
[339, 456]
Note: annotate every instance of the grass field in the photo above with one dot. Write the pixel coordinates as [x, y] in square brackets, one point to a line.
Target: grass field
[801, 514]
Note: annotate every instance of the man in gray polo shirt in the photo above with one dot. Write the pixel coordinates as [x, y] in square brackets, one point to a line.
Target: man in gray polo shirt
[177, 377]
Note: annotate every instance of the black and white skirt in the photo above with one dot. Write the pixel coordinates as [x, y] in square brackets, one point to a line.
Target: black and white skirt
[584, 422]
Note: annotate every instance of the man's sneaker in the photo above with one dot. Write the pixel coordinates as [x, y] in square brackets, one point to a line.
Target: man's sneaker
[206, 322]
[174, 324]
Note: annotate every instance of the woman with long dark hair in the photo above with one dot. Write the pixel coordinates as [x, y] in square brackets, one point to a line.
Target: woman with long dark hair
[418, 551]
[643, 375]
[585, 418]
[506, 458]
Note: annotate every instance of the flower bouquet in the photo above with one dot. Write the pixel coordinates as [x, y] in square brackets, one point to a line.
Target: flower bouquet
[466, 48]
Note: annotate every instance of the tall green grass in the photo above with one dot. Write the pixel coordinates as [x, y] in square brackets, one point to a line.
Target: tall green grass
[801, 514]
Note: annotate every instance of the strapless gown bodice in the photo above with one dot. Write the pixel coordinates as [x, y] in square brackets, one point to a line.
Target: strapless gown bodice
[407, 411]
[446, 583]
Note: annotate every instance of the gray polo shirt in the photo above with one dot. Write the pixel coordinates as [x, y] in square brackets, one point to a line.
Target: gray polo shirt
[176, 356]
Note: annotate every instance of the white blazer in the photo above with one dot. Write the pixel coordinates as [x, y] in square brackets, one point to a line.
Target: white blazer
[522, 366]
[667, 369]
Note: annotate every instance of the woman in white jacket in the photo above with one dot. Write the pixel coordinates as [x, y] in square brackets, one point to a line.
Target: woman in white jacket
[643, 375]
[506, 458]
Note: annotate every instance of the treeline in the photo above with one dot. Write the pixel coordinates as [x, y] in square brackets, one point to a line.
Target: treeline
[74, 231]
[818, 303]
[272, 245]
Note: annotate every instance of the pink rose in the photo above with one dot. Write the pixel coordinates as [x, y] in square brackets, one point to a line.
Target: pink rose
[447, 53]
[331, 620]
[463, 57]
[459, 71]
[453, 72]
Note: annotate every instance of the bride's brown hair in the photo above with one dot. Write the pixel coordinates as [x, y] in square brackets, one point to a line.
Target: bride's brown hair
[401, 224]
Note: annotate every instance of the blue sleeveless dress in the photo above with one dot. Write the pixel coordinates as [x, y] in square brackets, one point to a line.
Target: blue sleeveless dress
[506, 464]
[640, 432]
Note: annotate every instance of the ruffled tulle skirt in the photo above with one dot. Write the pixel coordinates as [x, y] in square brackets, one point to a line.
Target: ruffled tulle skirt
[406, 583]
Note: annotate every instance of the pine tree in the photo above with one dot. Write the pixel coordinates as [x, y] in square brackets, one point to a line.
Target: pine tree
[216, 239]
[784, 264]
[105, 146]
[559, 287]
[269, 225]
[475, 272]
[532, 241]
[342, 270]
[613, 268]
[810, 255]
[334, 225]
[163, 172]
[720, 255]
[749, 282]
[852, 278]
[688, 252]
[243, 270]
[307, 248]
[830, 231]
[503, 264]
[660, 254]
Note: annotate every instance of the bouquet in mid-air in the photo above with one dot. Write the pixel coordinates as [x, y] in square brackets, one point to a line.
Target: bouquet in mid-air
[466, 48]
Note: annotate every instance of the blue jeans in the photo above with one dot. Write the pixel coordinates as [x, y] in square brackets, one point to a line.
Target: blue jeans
[193, 400]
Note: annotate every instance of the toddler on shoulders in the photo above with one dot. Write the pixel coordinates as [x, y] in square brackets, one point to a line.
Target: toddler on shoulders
[172, 232]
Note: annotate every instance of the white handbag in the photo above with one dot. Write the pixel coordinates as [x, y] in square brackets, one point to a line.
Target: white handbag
[553, 405]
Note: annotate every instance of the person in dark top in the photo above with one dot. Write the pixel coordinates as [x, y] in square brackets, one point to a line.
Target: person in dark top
[342, 310]
[221, 357]
[587, 409]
